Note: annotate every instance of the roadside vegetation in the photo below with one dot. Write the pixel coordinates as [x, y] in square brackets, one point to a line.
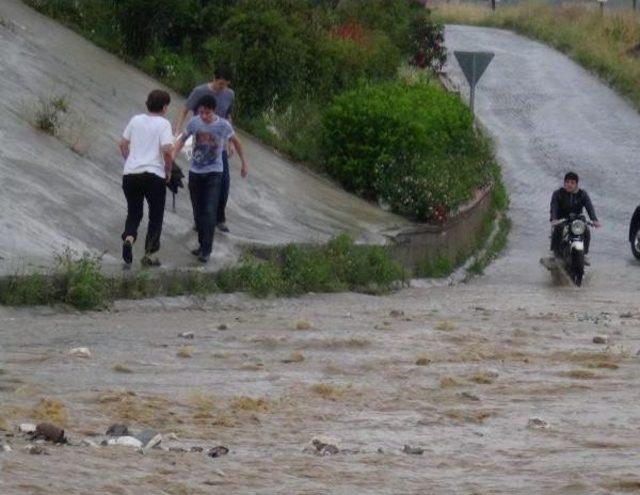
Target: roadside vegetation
[339, 265]
[607, 44]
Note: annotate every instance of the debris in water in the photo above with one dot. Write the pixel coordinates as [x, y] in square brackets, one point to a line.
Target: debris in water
[537, 424]
[470, 396]
[186, 351]
[396, 313]
[126, 442]
[601, 339]
[303, 325]
[36, 450]
[218, 451]
[27, 428]
[296, 357]
[408, 449]
[81, 352]
[423, 361]
[186, 335]
[223, 327]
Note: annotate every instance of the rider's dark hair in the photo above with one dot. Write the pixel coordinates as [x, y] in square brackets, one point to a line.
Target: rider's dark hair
[571, 176]
[207, 101]
[223, 72]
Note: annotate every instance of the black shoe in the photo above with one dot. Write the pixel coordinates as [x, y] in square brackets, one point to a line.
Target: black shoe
[203, 259]
[127, 252]
[196, 252]
[222, 227]
[149, 261]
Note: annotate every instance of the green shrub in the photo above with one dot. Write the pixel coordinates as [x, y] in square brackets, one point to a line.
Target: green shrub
[266, 50]
[85, 287]
[26, 290]
[411, 145]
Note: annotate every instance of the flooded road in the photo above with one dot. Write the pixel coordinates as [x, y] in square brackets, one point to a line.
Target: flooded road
[456, 371]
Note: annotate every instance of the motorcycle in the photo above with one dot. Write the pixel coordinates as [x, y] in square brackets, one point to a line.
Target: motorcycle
[634, 233]
[571, 249]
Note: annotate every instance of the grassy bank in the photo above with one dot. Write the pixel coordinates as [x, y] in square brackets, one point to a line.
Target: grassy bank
[340, 265]
[608, 45]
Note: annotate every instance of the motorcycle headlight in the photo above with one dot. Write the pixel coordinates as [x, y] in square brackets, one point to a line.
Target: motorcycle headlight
[578, 227]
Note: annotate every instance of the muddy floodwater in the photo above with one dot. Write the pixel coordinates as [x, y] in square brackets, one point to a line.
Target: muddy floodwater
[458, 372]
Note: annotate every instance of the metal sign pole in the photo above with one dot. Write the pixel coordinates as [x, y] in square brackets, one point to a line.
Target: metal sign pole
[473, 65]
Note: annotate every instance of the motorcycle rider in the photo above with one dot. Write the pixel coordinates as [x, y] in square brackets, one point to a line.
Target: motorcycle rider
[567, 200]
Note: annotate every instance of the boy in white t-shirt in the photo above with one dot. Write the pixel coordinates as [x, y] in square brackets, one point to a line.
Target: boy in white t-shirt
[146, 146]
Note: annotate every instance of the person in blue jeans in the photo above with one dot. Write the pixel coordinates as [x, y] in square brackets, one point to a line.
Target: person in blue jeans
[225, 97]
[210, 134]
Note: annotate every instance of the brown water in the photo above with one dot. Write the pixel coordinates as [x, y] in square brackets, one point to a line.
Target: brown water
[492, 363]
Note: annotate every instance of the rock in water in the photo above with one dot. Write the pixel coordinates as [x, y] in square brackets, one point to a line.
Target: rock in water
[601, 339]
[50, 433]
[537, 424]
[117, 430]
[126, 442]
[322, 446]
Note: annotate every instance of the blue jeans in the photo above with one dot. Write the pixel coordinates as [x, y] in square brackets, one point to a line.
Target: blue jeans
[204, 190]
[224, 191]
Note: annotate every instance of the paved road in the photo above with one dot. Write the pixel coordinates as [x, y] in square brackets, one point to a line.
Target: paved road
[52, 197]
[548, 116]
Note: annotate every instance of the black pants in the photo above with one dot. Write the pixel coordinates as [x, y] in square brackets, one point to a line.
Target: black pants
[137, 188]
[556, 238]
[205, 197]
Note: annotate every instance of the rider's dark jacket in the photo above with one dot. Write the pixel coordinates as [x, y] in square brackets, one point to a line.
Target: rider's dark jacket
[564, 203]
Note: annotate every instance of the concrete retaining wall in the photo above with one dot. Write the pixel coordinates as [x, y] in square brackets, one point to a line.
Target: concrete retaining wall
[459, 235]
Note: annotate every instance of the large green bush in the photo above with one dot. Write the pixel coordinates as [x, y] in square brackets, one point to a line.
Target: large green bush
[411, 145]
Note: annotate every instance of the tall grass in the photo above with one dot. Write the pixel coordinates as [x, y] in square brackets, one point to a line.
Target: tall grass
[607, 44]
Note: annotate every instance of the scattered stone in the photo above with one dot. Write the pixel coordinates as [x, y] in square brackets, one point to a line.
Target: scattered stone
[36, 450]
[396, 313]
[179, 450]
[218, 451]
[121, 368]
[186, 335]
[117, 430]
[303, 325]
[408, 449]
[322, 446]
[186, 351]
[470, 396]
[223, 327]
[601, 339]
[27, 428]
[81, 352]
[537, 424]
[296, 357]
[196, 449]
[50, 433]
[126, 442]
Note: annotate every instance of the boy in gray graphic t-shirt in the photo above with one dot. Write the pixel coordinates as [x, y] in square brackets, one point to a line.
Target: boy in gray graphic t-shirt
[225, 96]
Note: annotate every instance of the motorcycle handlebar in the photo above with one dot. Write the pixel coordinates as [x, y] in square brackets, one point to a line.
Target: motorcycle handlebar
[563, 220]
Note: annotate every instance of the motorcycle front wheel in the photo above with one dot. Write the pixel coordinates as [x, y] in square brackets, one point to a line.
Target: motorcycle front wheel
[577, 267]
[635, 245]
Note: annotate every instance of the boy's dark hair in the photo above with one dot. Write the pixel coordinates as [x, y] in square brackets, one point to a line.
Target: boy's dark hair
[157, 100]
[571, 176]
[207, 101]
[223, 73]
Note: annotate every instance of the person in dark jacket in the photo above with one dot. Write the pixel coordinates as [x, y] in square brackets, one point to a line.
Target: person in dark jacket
[567, 200]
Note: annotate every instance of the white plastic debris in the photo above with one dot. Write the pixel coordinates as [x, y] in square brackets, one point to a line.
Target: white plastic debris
[82, 352]
[126, 442]
[27, 428]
